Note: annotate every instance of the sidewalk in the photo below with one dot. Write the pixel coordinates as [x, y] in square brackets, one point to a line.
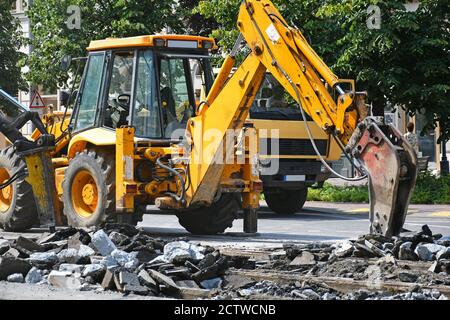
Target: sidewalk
[337, 182]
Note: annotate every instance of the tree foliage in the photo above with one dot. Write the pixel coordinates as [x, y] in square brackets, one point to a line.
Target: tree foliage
[52, 38]
[405, 62]
[10, 43]
[193, 22]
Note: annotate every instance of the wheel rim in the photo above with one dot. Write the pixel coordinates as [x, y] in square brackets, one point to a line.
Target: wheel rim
[84, 194]
[6, 194]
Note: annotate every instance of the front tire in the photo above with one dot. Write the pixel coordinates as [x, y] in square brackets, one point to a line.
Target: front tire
[286, 201]
[89, 189]
[17, 207]
[211, 220]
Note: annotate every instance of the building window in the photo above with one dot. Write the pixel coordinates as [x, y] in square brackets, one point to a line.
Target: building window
[14, 6]
[18, 6]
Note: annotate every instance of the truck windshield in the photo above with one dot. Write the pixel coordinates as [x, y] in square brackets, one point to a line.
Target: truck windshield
[274, 103]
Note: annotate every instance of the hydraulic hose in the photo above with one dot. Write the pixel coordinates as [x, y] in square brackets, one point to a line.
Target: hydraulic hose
[178, 198]
[308, 130]
[20, 173]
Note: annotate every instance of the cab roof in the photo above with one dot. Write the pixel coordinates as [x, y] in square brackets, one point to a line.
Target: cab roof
[169, 41]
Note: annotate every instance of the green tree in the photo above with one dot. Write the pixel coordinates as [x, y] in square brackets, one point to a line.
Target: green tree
[405, 62]
[53, 38]
[303, 14]
[10, 43]
[193, 22]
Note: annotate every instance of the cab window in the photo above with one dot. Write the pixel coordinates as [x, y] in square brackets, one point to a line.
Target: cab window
[90, 93]
[146, 116]
[177, 101]
[119, 93]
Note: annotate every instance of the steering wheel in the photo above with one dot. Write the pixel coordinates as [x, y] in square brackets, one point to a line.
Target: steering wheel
[120, 110]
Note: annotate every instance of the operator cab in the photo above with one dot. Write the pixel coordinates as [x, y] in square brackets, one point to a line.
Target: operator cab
[148, 82]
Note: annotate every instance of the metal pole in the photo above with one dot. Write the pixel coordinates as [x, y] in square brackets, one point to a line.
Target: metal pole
[444, 161]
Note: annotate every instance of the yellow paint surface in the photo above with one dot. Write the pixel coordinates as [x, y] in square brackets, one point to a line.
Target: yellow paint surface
[441, 214]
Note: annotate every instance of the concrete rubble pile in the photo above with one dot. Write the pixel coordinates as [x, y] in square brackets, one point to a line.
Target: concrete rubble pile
[125, 259]
[118, 257]
[414, 258]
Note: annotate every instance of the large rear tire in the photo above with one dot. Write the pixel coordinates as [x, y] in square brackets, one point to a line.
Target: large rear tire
[89, 190]
[286, 201]
[17, 207]
[211, 220]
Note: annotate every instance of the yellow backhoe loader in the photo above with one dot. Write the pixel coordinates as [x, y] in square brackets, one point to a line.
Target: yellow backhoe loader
[137, 137]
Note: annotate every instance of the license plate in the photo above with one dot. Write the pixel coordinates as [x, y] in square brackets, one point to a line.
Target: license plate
[295, 178]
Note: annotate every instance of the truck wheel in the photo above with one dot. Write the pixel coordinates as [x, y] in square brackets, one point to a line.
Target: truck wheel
[211, 220]
[286, 201]
[17, 207]
[89, 189]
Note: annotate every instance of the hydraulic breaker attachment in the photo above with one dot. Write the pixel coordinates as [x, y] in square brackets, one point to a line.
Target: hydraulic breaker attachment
[391, 165]
[42, 180]
[36, 154]
[41, 177]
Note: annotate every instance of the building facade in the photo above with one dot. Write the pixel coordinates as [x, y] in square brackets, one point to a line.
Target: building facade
[18, 10]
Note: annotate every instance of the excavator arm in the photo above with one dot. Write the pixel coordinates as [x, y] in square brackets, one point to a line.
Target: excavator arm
[379, 149]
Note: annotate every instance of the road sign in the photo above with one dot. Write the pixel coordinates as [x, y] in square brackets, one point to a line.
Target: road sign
[36, 101]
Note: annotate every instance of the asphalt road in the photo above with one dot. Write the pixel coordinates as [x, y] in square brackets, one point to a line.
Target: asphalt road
[317, 221]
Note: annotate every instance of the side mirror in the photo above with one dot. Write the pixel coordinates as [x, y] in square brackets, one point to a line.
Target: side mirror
[66, 61]
[64, 98]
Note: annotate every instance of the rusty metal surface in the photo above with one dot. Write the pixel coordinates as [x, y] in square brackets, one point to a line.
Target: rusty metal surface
[392, 167]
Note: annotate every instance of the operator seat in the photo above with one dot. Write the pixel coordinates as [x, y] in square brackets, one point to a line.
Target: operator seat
[169, 112]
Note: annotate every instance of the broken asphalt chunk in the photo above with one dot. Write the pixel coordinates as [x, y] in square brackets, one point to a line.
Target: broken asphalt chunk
[344, 249]
[64, 280]
[423, 253]
[117, 237]
[15, 277]
[95, 271]
[187, 284]
[124, 259]
[108, 282]
[210, 284]
[74, 268]
[168, 283]
[28, 244]
[33, 276]
[43, 259]
[146, 280]
[68, 256]
[217, 269]
[12, 253]
[102, 243]
[179, 251]
[443, 254]
[304, 259]
[4, 246]
[407, 277]
[406, 252]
